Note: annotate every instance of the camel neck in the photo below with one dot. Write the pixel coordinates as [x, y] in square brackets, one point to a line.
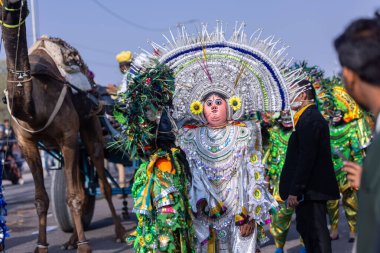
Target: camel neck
[19, 83]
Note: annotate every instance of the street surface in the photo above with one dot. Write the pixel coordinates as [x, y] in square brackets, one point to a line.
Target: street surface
[22, 221]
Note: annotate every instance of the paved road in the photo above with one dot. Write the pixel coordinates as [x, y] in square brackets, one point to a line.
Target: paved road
[22, 221]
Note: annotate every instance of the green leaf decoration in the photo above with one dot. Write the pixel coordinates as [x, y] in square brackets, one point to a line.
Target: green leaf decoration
[151, 89]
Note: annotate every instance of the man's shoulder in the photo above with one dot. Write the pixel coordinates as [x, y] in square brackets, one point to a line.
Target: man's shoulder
[312, 117]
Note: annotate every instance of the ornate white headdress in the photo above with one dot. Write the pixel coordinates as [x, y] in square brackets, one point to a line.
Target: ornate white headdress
[252, 73]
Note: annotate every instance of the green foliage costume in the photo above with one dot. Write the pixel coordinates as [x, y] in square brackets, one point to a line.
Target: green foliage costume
[161, 205]
[160, 185]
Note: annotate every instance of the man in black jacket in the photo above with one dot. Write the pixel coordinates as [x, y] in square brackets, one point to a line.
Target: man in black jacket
[308, 179]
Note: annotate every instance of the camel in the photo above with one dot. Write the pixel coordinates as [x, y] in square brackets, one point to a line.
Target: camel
[32, 100]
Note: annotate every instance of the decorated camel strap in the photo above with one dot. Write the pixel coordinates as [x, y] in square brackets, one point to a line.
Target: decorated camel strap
[58, 106]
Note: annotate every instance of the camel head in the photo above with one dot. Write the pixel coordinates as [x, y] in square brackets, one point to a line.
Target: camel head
[12, 19]
[11, 11]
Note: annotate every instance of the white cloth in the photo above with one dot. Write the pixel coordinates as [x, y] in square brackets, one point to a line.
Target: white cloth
[72, 74]
[378, 124]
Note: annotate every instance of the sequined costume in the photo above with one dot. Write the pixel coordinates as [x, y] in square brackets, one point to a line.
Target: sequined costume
[278, 142]
[228, 184]
[281, 221]
[345, 141]
[161, 205]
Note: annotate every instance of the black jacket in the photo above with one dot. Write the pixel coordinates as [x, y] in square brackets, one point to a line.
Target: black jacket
[308, 169]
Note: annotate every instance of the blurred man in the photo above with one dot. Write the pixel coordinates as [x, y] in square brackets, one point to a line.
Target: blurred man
[307, 179]
[358, 49]
[8, 131]
[124, 59]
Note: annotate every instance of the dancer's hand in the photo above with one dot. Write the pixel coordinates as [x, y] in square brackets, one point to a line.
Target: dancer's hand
[292, 201]
[247, 229]
[354, 173]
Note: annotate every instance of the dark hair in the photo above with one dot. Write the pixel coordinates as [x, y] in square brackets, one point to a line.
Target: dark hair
[213, 93]
[358, 48]
[310, 91]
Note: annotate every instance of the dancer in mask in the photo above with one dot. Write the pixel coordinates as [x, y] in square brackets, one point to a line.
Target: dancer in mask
[161, 183]
[349, 134]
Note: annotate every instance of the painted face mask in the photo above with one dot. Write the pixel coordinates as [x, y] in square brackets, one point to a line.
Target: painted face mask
[286, 120]
[215, 110]
[337, 117]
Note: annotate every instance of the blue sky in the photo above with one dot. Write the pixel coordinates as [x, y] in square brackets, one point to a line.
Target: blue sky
[308, 27]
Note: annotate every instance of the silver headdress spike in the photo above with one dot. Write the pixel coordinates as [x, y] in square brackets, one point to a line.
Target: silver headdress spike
[205, 31]
[198, 36]
[234, 34]
[187, 36]
[157, 46]
[273, 47]
[242, 33]
[293, 73]
[289, 62]
[278, 54]
[217, 30]
[179, 37]
[221, 31]
[168, 41]
[146, 52]
[258, 37]
[171, 34]
[267, 40]
[253, 34]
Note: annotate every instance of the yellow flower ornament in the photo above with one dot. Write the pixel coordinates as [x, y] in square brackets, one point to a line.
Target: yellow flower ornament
[235, 103]
[196, 108]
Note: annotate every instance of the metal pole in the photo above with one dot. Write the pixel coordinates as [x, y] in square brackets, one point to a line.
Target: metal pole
[33, 22]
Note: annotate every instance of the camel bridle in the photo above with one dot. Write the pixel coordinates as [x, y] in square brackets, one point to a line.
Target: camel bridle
[23, 76]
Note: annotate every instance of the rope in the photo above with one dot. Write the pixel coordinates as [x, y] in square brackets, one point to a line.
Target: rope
[58, 106]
